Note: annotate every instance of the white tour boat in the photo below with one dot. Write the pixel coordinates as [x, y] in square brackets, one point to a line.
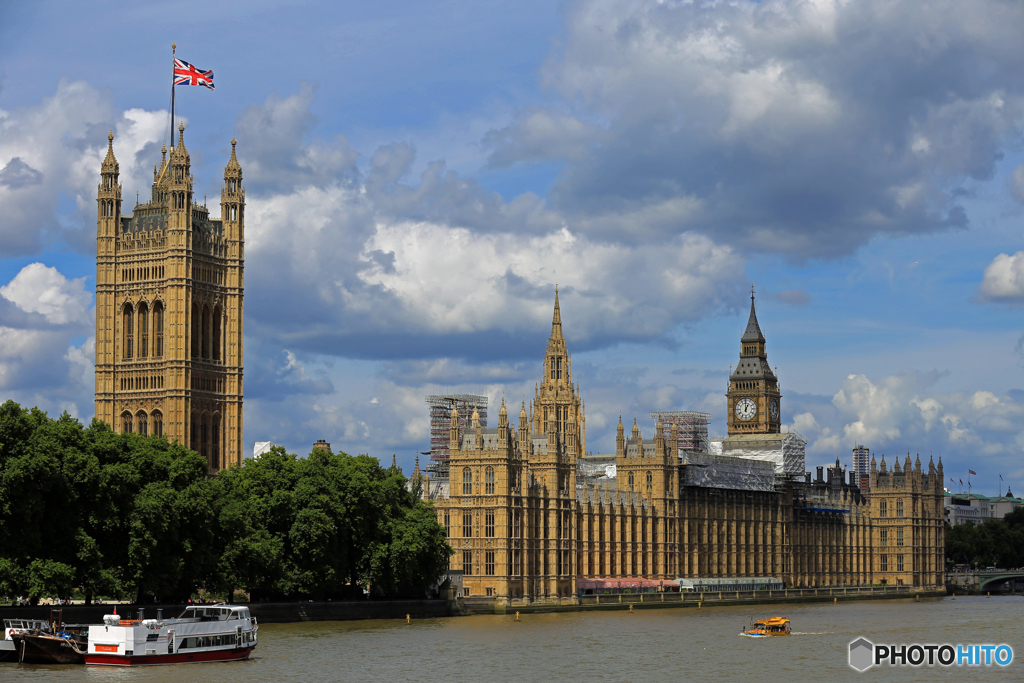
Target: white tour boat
[203, 633]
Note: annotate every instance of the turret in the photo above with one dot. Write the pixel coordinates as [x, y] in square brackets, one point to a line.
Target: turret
[659, 440]
[453, 432]
[232, 203]
[108, 196]
[620, 440]
[524, 432]
[503, 425]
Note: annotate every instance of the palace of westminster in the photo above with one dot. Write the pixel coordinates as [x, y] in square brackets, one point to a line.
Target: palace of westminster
[526, 509]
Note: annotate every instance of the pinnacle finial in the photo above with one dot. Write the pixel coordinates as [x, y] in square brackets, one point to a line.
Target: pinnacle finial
[110, 138]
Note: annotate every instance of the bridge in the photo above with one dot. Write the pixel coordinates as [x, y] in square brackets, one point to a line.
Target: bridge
[1008, 580]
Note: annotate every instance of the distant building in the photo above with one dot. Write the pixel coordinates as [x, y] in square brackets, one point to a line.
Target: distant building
[320, 443]
[973, 508]
[261, 447]
[862, 460]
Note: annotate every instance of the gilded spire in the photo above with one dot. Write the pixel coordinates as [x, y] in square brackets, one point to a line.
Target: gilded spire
[110, 162]
[556, 319]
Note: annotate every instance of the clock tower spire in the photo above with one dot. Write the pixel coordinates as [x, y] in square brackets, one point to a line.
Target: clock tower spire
[753, 396]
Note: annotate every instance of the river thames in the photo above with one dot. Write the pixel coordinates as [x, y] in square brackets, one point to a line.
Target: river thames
[648, 645]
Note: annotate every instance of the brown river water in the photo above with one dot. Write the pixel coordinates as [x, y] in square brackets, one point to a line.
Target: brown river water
[648, 645]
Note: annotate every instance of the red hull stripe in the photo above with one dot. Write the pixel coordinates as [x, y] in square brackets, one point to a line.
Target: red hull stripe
[228, 655]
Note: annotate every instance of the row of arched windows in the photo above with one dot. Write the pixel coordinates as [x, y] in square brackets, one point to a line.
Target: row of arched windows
[149, 273]
[143, 331]
[206, 332]
[142, 423]
[205, 438]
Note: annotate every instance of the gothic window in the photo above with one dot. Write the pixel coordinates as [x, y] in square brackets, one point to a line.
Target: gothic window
[193, 441]
[467, 565]
[899, 563]
[126, 423]
[883, 508]
[883, 563]
[489, 524]
[883, 537]
[196, 326]
[447, 524]
[558, 365]
[467, 482]
[899, 507]
[129, 336]
[143, 331]
[631, 482]
[215, 442]
[489, 481]
[899, 537]
[158, 423]
[206, 332]
[517, 524]
[515, 563]
[489, 563]
[551, 364]
[467, 525]
[142, 422]
[650, 483]
[158, 330]
[203, 437]
[545, 420]
[216, 332]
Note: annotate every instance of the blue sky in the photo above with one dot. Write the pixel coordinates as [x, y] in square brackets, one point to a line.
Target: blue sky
[420, 175]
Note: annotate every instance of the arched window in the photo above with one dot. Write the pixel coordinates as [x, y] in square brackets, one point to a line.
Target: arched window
[216, 332]
[126, 423]
[489, 481]
[158, 330]
[206, 332]
[650, 482]
[467, 482]
[158, 423]
[899, 507]
[143, 332]
[215, 442]
[129, 336]
[142, 422]
[883, 508]
[196, 327]
[631, 482]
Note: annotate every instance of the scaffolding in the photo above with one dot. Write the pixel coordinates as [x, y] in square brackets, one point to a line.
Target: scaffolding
[692, 427]
[441, 406]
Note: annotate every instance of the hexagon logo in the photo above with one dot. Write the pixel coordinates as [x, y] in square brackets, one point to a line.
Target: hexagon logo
[862, 653]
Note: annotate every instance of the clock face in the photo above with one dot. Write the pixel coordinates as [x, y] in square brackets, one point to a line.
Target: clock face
[746, 409]
[773, 409]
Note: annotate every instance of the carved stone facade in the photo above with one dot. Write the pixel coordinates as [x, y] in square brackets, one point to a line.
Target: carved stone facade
[525, 521]
[169, 282]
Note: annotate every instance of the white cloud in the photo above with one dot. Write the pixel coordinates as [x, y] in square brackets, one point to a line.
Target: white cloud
[36, 144]
[1003, 281]
[41, 289]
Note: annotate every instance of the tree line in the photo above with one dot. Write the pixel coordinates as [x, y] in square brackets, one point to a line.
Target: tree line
[993, 543]
[138, 517]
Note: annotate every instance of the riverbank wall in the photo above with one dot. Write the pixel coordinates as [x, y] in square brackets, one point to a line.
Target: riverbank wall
[292, 612]
[624, 601]
[264, 612]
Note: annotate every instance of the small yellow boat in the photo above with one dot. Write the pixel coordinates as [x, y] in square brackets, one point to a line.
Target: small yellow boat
[764, 628]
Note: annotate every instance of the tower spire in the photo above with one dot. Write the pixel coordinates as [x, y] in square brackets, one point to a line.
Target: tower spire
[556, 319]
[753, 331]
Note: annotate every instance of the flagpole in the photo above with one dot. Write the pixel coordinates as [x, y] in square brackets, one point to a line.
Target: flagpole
[174, 47]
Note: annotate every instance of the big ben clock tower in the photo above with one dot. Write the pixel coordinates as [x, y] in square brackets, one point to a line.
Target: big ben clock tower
[753, 398]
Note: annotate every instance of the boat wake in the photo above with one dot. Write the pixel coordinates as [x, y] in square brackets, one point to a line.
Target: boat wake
[811, 633]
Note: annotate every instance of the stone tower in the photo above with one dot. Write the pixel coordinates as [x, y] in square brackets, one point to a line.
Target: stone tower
[169, 313]
[754, 399]
[556, 405]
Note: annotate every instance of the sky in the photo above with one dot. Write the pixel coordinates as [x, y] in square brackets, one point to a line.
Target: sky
[420, 175]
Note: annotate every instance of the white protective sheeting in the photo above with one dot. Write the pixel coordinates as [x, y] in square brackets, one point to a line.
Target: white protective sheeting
[725, 472]
[786, 452]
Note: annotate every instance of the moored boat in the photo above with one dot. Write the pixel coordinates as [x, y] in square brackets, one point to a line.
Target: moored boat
[203, 633]
[765, 628]
[8, 653]
[62, 647]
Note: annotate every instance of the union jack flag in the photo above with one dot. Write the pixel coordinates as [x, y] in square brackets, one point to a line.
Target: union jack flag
[972, 471]
[188, 74]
